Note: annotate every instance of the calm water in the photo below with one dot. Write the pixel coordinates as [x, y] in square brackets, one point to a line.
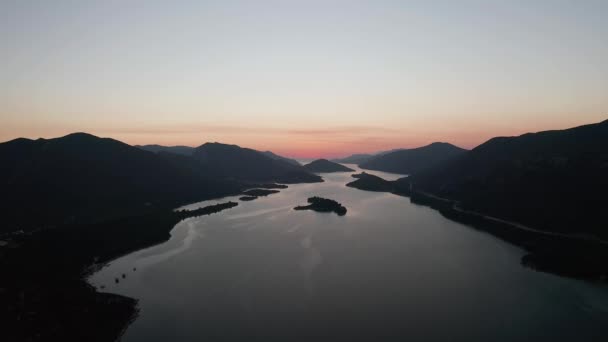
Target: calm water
[388, 270]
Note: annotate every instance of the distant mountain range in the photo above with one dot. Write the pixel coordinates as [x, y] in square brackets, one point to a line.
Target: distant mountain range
[409, 161]
[188, 151]
[83, 178]
[360, 158]
[552, 180]
[324, 166]
[98, 198]
[354, 159]
[234, 162]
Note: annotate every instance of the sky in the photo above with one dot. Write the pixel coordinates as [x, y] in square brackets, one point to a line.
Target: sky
[301, 78]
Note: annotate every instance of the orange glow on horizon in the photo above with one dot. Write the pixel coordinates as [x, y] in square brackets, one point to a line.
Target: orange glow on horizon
[329, 142]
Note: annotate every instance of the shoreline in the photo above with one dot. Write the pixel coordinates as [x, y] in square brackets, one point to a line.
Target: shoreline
[560, 254]
[51, 288]
[573, 256]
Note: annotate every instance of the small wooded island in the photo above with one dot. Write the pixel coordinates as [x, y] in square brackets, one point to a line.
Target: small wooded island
[323, 205]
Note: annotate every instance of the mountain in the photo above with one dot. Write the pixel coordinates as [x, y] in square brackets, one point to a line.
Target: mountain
[324, 165]
[409, 161]
[83, 178]
[354, 159]
[278, 157]
[234, 162]
[552, 180]
[361, 158]
[188, 151]
[183, 150]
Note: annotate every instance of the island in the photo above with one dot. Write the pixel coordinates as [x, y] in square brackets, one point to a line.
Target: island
[259, 192]
[271, 186]
[325, 166]
[323, 205]
[247, 198]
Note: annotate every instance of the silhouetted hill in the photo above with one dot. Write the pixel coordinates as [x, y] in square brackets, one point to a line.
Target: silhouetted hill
[234, 162]
[324, 165]
[552, 180]
[278, 157]
[413, 160]
[368, 182]
[183, 150]
[188, 151]
[361, 158]
[83, 178]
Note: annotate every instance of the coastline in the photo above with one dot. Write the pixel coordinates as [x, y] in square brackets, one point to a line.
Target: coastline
[562, 254]
[47, 293]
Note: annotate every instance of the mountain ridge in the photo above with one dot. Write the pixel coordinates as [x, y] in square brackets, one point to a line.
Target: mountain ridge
[326, 166]
[81, 178]
[552, 180]
[408, 161]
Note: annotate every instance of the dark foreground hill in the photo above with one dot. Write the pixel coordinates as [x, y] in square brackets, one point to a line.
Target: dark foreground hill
[552, 180]
[413, 160]
[82, 178]
[324, 165]
[84, 200]
[45, 295]
[234, 162]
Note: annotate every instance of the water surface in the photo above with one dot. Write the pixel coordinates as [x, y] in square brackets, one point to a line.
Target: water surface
[388, 270]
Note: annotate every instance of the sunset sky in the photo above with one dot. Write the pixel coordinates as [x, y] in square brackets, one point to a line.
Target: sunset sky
[301, 78]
